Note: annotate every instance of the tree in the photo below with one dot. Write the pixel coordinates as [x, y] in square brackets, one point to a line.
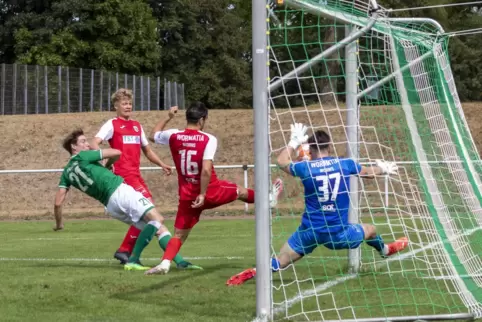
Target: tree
[204, 46]
[115, 35]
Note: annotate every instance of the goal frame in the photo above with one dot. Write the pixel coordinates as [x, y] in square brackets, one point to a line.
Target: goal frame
[262, 87]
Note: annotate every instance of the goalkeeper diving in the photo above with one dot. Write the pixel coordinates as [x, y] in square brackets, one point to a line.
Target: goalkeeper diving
[326, 182]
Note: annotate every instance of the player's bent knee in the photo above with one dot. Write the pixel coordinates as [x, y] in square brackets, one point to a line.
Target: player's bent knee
[182, 234]
[153, 215]
[155, 223]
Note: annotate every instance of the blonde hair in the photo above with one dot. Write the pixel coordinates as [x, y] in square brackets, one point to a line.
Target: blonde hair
[121, 94]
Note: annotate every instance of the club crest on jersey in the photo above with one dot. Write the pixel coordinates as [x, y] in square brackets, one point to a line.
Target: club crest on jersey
[131, 139]
[136, 128]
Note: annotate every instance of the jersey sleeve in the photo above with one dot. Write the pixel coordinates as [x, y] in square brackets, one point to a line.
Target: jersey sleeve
[350, 166]
[106, 131]
[162, 137]
[64, 181]
[211, 148]
[299, 169]
[144, 141]
[91, 155]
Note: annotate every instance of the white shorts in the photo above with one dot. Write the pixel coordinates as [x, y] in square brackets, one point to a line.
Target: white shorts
[129, 206]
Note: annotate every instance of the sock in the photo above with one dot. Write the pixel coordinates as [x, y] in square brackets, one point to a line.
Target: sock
[173, 247]
[144, 239]
[129, 240]
[275, 264]
[377, 243]
[163, 241]
[250, 198]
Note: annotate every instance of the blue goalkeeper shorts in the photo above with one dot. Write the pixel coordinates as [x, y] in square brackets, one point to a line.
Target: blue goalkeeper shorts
[305, 239]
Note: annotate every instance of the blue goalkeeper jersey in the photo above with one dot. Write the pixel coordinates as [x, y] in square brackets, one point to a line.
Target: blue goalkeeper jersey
[326, 183]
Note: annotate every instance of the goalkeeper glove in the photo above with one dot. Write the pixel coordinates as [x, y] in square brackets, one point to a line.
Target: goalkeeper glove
[298, 135]
[387, 167]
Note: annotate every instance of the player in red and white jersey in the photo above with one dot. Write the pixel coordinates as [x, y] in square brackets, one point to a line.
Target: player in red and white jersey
[127, 135]
[199, 187]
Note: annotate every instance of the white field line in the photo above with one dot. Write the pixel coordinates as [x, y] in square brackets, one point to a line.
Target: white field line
[96, 238]
[14, 259]
[322, 287]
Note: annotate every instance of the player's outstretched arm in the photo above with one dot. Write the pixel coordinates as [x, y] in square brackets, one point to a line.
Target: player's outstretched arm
[154, 158]
[112, 155]
[59, 200]
[206, 172]
[382, 168]
[161, 125]
[95, 142]
[298, 137]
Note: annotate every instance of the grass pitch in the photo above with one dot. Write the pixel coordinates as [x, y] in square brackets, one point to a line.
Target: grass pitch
[71, 276]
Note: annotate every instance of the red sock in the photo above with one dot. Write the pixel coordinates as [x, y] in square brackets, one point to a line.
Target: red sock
[250, 198]
[129, 240]
[172, 248]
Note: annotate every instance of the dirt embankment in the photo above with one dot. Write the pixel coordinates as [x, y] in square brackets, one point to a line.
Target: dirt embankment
[34, 142]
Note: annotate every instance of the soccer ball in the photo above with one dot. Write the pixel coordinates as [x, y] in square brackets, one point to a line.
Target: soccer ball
[303, 153]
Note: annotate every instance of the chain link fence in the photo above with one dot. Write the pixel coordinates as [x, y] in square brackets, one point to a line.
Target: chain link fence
[26, 89]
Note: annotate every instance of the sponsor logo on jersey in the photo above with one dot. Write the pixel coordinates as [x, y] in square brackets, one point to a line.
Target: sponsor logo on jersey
[122, 126]
[131, 139]
[328, 207]
[136, 128]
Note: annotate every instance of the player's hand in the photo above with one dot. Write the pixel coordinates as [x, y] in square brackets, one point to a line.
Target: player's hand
[387, 167]
[173, 111]
[298, 135]
[58, 227]
[167, 170]
[199, 202]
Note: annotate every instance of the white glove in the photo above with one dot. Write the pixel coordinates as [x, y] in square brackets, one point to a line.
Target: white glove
[298, 135]
[387, 167]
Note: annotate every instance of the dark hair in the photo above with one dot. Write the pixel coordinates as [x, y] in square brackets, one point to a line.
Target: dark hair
[319, 140]
[72, 139]
[195, 112]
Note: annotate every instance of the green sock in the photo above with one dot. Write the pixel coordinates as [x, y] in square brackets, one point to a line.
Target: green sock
[163, 243]
[143, 240]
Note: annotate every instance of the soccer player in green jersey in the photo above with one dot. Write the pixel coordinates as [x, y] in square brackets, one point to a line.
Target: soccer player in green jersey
[85, 173]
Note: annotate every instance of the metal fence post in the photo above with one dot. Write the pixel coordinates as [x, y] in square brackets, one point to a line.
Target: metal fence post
[148, 93]
[125, 81]
[245, 170]
[46, 88]
[142, 93]
[109, 88]
[165, 94]
[80, 91]
[92, 74]
[133, 92]
[14, 90]
[59, 95]
[25, 90]
[101, 82]
[116, 81]
[158, 87]
[67, 88]
[37, 89]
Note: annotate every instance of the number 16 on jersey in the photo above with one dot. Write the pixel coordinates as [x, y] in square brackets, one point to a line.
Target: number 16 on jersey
[188, 167]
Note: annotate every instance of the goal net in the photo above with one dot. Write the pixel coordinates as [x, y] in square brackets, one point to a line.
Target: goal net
[388, 93]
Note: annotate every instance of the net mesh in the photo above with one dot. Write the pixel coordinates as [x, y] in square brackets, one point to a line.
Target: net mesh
[415, 119]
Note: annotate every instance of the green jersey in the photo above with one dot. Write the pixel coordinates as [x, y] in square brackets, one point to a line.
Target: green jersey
[85, 173]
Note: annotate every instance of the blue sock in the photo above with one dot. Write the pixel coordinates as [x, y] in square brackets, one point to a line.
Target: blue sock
[274, 264]
[376, 243]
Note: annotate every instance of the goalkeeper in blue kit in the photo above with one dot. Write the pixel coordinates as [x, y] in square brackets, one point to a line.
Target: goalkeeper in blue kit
[326, 182]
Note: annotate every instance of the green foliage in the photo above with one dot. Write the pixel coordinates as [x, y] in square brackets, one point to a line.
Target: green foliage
[115, 35]
[207, 46]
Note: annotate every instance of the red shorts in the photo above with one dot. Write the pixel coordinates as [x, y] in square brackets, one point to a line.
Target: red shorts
[138, 184]
[222, 193]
